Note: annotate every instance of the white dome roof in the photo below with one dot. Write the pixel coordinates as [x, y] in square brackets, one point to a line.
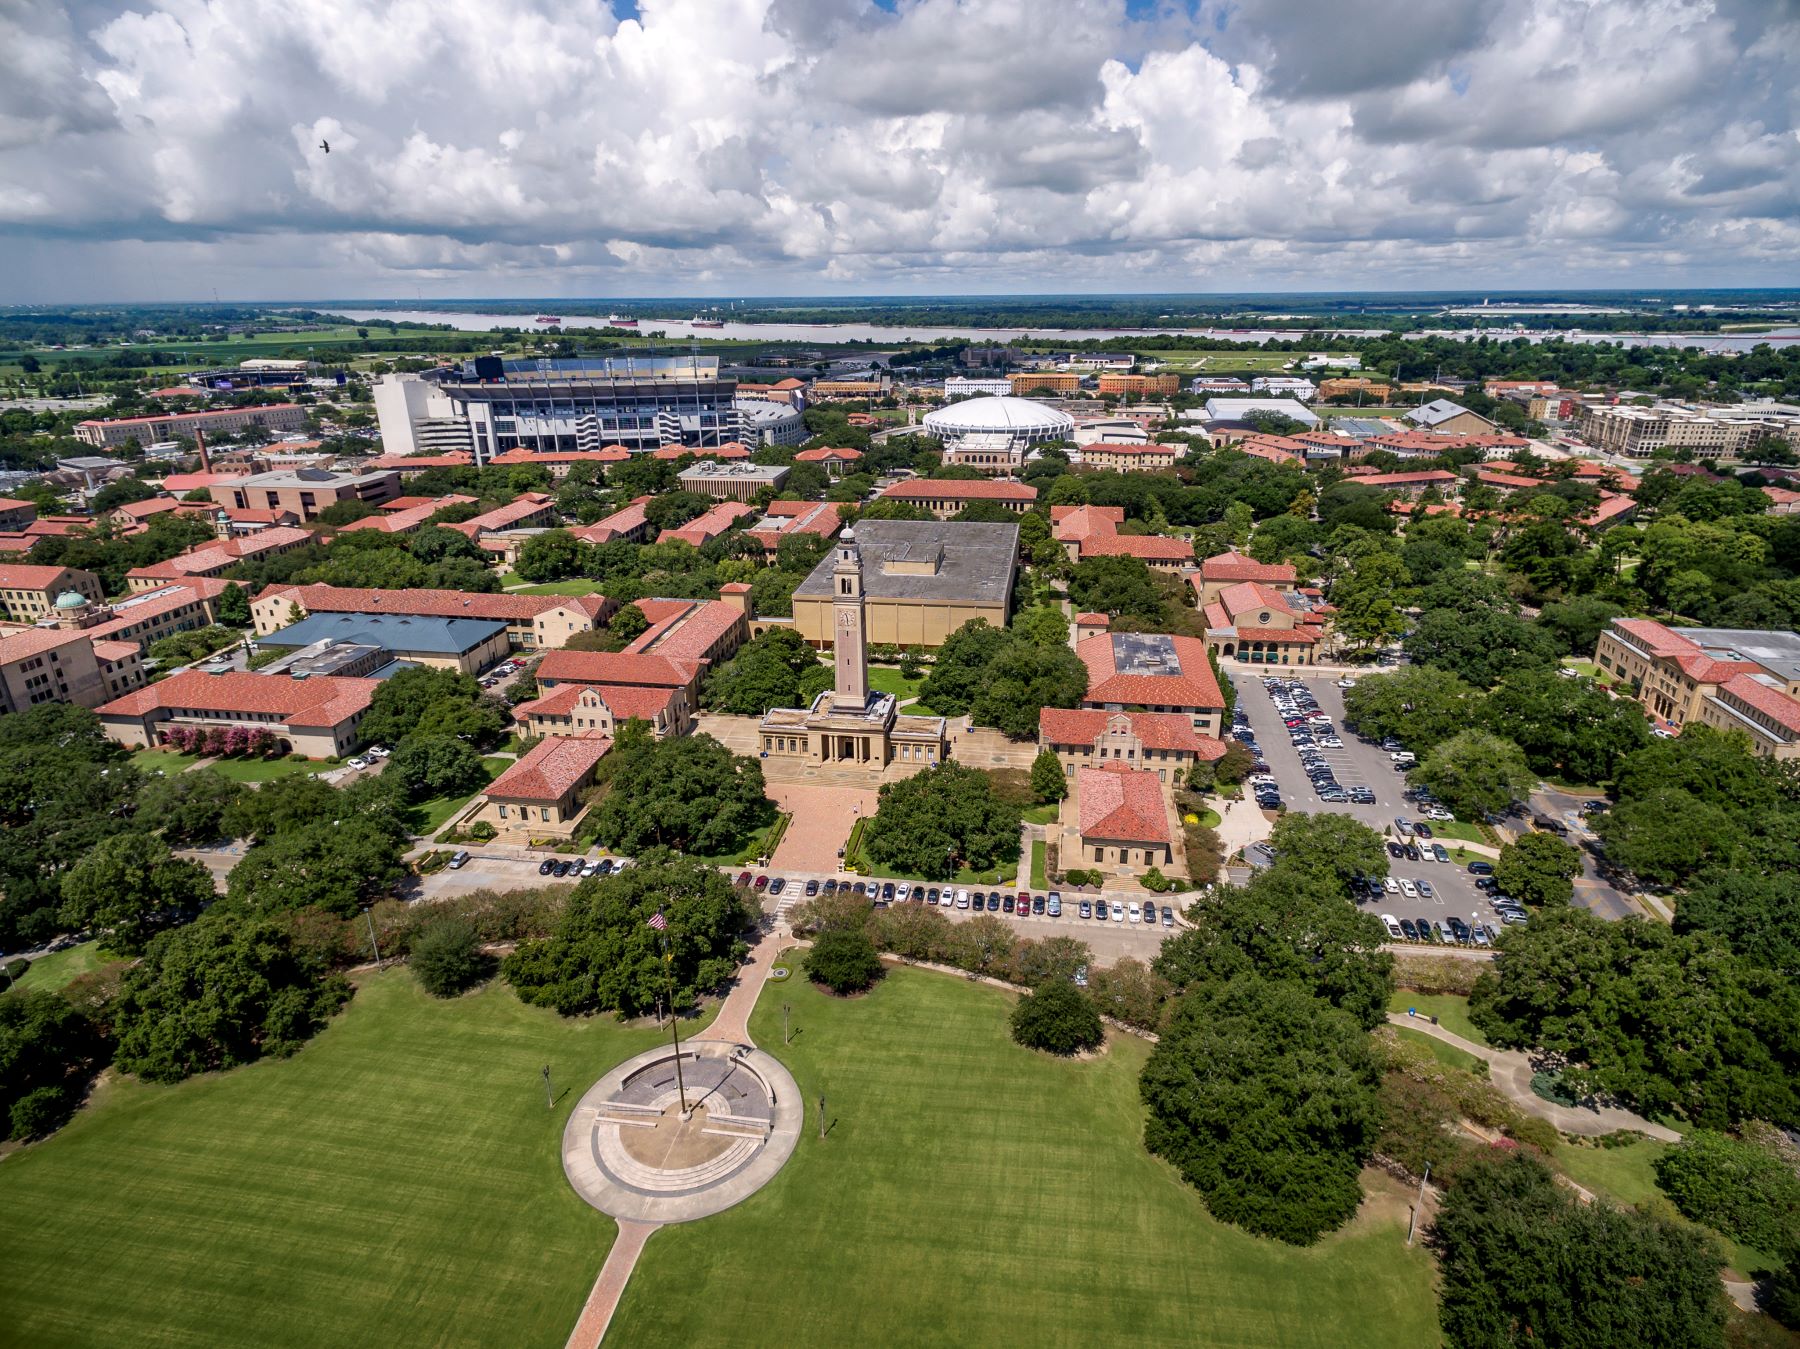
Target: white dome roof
[998, 413]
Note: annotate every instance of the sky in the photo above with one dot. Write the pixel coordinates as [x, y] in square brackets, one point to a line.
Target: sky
[167, 149]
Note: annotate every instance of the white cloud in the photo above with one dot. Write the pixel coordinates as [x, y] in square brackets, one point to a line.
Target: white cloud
[157, 148]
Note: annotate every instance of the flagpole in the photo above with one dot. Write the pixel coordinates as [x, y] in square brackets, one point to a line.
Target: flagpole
[661, 925]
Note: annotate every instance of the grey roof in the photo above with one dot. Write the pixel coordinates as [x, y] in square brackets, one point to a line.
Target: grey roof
[1145, 653]
[1437, 410]
[402, 634]
[1239, 409]
[307, 477]
[1778, 652]
[1363, 428]
[977, 565]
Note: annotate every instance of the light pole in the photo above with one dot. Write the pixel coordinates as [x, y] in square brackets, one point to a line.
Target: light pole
[549, 1091]
[369, 913]
[784, 1023]
[674, 1020]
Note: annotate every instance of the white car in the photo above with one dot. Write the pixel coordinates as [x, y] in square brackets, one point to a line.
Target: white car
[1441, 815]
[1346, 683]
[962, 899]
[359, 762]
[1391, 885]
[1392, 925]
[901, 891]
[1118, 912]
[1408, 889]
[1403, 756]
[1134, 912]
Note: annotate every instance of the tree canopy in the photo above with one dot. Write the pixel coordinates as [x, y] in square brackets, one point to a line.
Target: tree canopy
[948, 816]
[689, 793]
[777, 669]
[604, 956]
[1264, 1098]
[131, 887]
[1057, 1018]
[1475, 773]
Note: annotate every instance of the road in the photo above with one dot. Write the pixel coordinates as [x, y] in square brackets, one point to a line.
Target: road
[1592, 890]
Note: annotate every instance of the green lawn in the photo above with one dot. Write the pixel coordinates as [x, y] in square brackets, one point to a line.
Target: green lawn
[59, 968]
[579, 585]
[427, 817]
[1451, 1010]
[1208, 818]
[1448, 1055]
[167, 761]
[1462, 829]
[265, 770]
[970, 1192]
[1045, 814]
[885, 679]
[397, 1182]
[1040, 879]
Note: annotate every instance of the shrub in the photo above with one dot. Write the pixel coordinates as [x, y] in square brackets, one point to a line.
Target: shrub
[446, 955]
[1742, 1190]
[40, 1111]
[482, 831]
[1057, 1019]
[843, 960]
[1155, 882]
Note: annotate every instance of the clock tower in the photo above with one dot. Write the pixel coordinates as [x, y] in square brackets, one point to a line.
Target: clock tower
[851, 691]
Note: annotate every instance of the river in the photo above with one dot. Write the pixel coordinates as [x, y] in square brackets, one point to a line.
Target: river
[827, 334]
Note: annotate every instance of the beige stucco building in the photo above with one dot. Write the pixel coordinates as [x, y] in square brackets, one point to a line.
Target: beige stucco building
[1734, 679]
[539, 797]
[30, 593]
[921, 581]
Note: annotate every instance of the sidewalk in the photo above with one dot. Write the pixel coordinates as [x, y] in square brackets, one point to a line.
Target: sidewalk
[1510, 1071]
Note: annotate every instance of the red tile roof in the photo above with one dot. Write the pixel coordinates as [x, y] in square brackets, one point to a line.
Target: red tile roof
[959, 489]
[691, 635]
[521, 507]
[1610, 509]
[24, 577]
[550, 769]
[705, 528]
[1156, 730]
[828, 455]
[1428, 477]
[1247, 596]
[623, 701]
[615, 667]
[1512, 480]
[409, 518]
[1091, 618]
[215, 557]
[1770, 701]
[1121, 803]
[418, 463]
[1194, 687]
[509, 608]
[820, 518]
[1300, 636]
[180, 483]
[1149, 546]
[35, 641]
[1070, 524]
[622, 523]
[1234, 566]
[323, 700]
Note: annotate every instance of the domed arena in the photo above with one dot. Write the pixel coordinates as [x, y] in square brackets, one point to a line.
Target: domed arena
[1024, 420]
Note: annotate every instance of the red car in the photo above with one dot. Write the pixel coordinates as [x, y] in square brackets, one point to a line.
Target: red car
[1024, 899]
[762, 882]
[743, 878]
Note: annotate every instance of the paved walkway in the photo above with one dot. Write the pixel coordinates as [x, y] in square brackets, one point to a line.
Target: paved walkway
[597, 1314]
[823, 817]
[732, 1024]
[1510, 1071]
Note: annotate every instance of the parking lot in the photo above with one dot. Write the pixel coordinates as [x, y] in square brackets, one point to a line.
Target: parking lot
[1358, 763]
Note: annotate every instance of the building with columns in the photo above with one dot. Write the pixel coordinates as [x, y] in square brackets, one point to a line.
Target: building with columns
[849, 724]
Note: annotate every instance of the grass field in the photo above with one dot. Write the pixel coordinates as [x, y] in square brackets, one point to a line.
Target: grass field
[153, 760]
[1451, 1010]
[1462, 829]
[59, 968]
[1040, 878]
[263, 770]
[1448, 1055]
[1044, 814]
[398, 1182]
[427, 817]
[970, 1192]
[885, 679]
[579, 585]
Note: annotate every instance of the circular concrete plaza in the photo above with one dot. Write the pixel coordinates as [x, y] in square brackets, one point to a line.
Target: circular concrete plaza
[631, 1151]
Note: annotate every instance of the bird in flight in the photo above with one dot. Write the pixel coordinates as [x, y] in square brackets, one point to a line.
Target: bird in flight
[325, 146]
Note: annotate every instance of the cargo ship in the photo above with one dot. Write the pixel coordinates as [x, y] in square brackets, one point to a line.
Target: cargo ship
[615, 321]
[548, 318]
[698, 322]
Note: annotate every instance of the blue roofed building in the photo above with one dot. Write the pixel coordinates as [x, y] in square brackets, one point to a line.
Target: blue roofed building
[366, 644]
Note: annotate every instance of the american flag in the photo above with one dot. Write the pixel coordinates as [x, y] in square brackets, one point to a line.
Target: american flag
[657, 921]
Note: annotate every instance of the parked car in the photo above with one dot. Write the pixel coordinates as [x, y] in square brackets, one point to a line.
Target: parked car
[831, 885]
[1053, 905]
[1168, 915]
[359, 762]
[902, 892]
[1084, 909]
[777, 885]
[887, 891]
[1481, 868]
[458, 862]
[1037, 905]
[1006, 904]
[605, 867]
[1408, 889]
[931, 895]
[742, 880]
[1118, 912]
[812, 888]
[376, 751]
[962, 899]
[1425, 890]
[1392, 924]
[546, 866]
[1409, 929]
[1440, 852]
[993, 902]
[1423, 830]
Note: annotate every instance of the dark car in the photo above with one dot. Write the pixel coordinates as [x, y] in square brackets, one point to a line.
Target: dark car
[1037, 904]
[812, 888]
[1409, 929]
[1006, 904]
[562, 868]
[931, 895]
[993, 901]
[887, 891]
[1422, 829]
[1486, 883]
[831, 886]
[777, 885]
[858, 888]
[1481, 868]
[605, 867]
[546, 866]
[1458, 928]
[1413, 854]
